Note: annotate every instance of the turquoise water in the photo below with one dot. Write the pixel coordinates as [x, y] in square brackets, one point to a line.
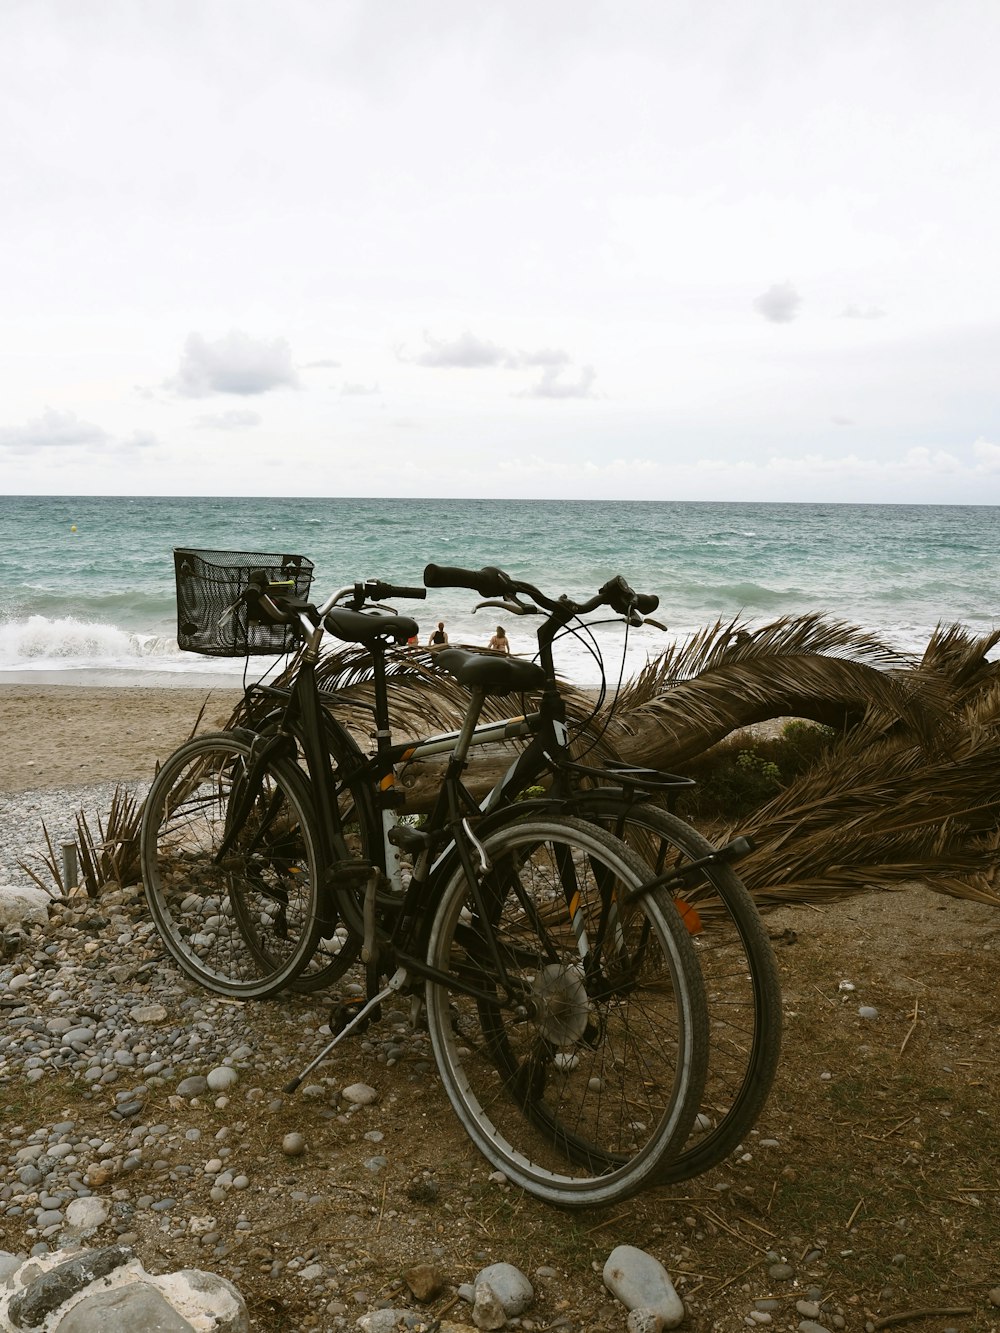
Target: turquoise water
[86, 585]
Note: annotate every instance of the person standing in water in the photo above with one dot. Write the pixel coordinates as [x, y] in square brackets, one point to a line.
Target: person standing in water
[439, 637]
[499, 643]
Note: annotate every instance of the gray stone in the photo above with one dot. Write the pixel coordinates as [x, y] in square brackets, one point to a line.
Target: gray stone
[213, 1295]
[487, 1310]
[222, 1078]
[20, 904]
[148, 1013]
[125, 1310]
[47, 1292]
[360, 1094]
[513, 1290]
[389, 1321]
[86, 1214]
[642, 1283]
[9, 1263]
[195, 1086]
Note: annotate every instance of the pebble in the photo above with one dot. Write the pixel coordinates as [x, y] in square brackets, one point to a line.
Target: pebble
[360, 1094]
[510, 1286]
[642, 1283]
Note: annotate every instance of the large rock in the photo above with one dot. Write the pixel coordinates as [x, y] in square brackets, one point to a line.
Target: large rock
[23, 905]
[138, 1308]
[108, 1290]
[642, 1283]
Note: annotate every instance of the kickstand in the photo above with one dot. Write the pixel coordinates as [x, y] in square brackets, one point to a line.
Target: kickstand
[395, 982]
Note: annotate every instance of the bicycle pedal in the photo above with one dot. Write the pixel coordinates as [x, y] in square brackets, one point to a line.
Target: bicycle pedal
[349, 874]
[408, 839]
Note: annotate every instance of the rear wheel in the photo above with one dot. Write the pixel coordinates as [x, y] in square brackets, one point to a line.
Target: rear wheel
[742, 986]
[572, 1040]
[231, 866]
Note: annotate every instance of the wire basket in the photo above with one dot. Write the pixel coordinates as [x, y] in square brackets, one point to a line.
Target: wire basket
[211, 617]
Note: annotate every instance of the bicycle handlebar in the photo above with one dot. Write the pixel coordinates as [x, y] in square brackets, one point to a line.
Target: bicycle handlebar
[488, 582]
[493, 582]
[269, 604]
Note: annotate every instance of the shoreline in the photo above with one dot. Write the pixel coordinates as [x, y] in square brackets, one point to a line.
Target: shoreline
[61, 735]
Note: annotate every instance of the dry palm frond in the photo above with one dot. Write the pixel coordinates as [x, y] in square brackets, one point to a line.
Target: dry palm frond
[728, 642]
[908, 791]
[958, 660]
[888, 814]
[695, 714]
[422, 700]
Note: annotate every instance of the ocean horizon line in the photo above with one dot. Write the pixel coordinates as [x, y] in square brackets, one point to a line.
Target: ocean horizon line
[496, 499]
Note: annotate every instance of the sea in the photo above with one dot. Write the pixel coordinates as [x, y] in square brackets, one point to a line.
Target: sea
[87, 583]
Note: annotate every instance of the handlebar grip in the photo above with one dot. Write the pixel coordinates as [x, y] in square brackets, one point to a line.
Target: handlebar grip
[488, 582]
[623, 599]
[377, 590]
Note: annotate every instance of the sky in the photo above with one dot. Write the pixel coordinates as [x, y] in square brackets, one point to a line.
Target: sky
[637, 249]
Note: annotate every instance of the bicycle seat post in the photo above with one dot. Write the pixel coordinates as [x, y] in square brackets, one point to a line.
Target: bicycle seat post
[477, 697]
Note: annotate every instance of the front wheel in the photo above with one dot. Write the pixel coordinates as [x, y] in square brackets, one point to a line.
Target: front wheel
[572, 1037]
[231, 866]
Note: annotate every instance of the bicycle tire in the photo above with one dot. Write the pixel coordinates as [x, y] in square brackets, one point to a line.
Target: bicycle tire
[246, 926]
[581, 1090]
[355, 831]
[742, 985]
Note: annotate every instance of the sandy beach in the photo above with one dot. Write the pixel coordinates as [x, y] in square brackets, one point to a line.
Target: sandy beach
[70, 735]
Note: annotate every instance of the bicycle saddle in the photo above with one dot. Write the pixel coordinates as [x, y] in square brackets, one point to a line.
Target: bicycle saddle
[356, 627]
[496, 675]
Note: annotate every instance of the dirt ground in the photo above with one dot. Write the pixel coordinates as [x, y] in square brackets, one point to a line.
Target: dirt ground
[873, 1171]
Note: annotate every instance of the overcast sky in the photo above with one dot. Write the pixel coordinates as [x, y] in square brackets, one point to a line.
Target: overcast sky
[650, 250]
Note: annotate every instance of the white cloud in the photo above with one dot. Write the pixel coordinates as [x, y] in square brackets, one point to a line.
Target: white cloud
[324, 363]
[235, 363]
[779, 304]
[466, 351]
[545, 356]
[237, 419]
[853, 311]
[553, 384]
[53, 430]
[351, 390]
[65, 431]
[987, 456]
[471, 352]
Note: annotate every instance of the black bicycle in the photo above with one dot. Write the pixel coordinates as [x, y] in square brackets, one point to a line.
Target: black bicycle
[376, 846]
[563, 993]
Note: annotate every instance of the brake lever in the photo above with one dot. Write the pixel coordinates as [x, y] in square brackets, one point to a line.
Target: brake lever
[514, 608]
[656, 624]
